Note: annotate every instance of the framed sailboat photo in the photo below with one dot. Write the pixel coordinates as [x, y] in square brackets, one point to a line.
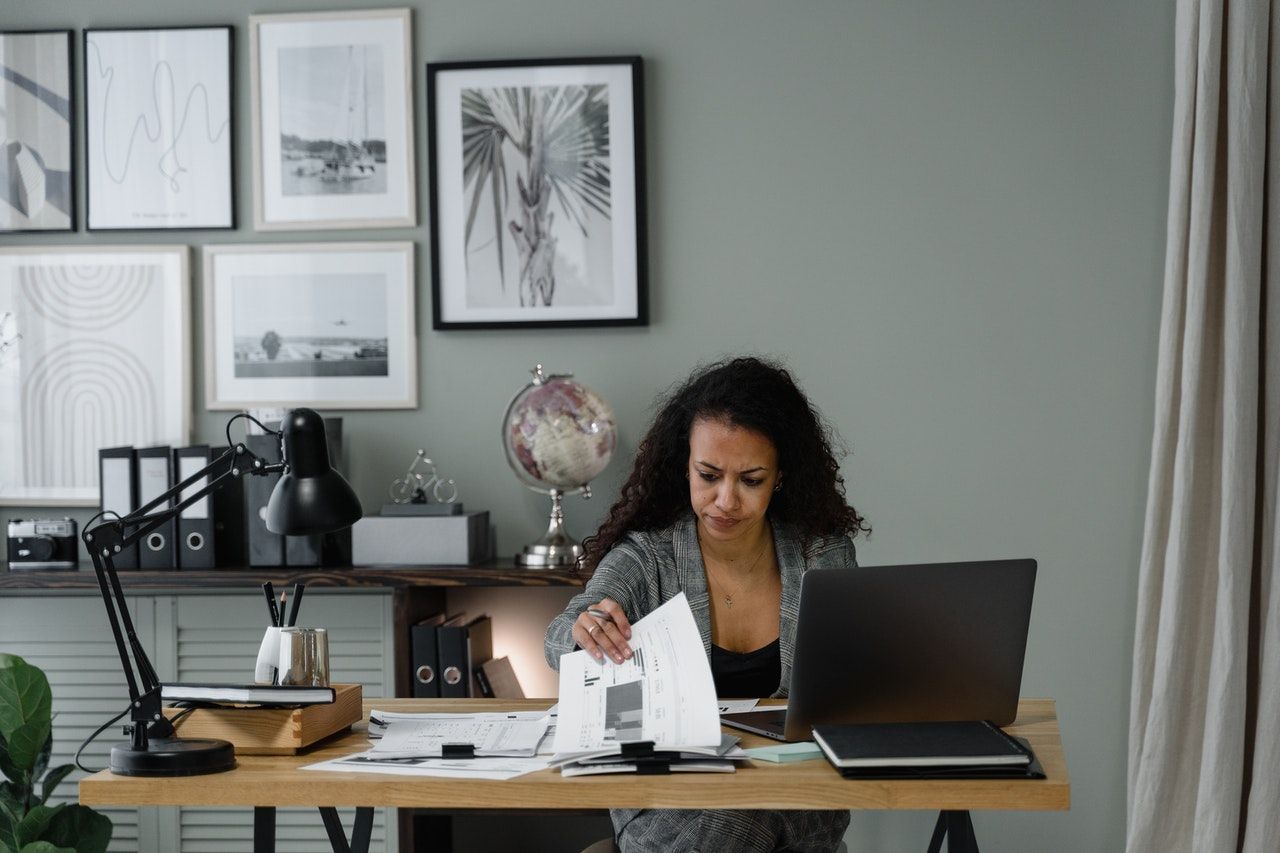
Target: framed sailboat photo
[332, 135]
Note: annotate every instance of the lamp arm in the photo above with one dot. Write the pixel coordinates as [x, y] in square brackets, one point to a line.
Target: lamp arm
[108, 538]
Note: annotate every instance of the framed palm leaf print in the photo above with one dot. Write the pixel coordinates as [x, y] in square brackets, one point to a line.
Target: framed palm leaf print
[537, 193]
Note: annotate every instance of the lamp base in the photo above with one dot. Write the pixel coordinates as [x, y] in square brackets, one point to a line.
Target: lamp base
[173, 757]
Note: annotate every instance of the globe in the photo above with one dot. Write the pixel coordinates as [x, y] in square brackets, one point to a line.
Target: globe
[558, 434]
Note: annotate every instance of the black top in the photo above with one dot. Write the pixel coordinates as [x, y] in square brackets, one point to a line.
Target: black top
[748, 675]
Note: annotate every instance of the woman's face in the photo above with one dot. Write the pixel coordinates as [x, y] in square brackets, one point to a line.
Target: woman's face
[732, 472]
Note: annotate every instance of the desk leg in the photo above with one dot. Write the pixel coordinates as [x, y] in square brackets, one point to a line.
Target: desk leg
[264, 829]
[957, 828]
[361, 832]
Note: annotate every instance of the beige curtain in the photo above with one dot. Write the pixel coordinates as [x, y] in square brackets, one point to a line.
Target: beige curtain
[1204, 730]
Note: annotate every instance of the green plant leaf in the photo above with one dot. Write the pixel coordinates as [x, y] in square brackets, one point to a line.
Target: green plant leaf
[52, 779]
[25, 745]
[24, 698]
[81, 829]
[10, 770]
[45, 847]
[42, 759]
[33, 825]
[7, 660]
[11, 797]
[9, 819]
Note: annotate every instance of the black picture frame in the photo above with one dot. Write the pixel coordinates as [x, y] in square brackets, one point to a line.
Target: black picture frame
[486, 288]
[10, 77]
[186, 106]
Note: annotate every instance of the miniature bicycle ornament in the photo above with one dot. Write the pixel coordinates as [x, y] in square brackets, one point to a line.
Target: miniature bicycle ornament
[422, 484]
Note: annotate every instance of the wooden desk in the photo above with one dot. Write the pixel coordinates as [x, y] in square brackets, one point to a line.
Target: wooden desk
[267, 782]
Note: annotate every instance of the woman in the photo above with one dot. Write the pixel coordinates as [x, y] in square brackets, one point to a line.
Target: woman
[735, 493]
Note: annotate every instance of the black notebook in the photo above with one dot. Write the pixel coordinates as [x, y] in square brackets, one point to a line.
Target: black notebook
[951, 745]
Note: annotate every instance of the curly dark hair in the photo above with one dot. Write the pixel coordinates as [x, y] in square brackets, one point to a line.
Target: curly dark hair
[749, 393]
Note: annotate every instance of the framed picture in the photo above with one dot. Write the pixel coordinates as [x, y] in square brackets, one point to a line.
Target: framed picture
[537, 193]
[332, 133]
[159, 135]
[326, 325]
[37, 161]
[96, 352]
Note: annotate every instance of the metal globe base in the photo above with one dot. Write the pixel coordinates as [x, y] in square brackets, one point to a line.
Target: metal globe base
[173, 757]
[556, 549]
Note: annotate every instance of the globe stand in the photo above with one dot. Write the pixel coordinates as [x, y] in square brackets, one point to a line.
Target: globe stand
[556, 549]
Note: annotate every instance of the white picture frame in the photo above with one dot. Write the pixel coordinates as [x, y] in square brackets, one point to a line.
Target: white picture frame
[331, 94]
[95, 351]
[324, 325]
[37, 118]
[159, 134]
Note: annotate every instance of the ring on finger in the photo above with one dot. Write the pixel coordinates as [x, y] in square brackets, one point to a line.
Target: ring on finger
[591, 632]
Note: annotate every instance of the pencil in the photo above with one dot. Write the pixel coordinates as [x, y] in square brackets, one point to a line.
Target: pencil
[272, 613]
[298, 589]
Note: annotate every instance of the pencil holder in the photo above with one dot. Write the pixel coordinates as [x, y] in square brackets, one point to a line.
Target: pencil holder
[265, 670]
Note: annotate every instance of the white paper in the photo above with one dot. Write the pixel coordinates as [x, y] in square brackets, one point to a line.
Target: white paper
[498, 769]
[664, 693]
[684, 767]
[737, 706]
[426, 738]
[379, 720]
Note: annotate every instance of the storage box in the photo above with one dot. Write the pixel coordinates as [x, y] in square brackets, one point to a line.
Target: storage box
[273, 731]
[429, 540]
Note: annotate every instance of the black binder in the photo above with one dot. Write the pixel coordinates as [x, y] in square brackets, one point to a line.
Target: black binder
[462, 647]
[154, 476]
[424, 658]
[265, 548]
[118, 494]
[196, 545]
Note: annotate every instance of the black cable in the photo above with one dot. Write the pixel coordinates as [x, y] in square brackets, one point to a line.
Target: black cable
[90, 739]
[247, 417]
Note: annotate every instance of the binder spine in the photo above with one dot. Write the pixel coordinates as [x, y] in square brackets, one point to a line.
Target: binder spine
[196, 545]
[118, 494]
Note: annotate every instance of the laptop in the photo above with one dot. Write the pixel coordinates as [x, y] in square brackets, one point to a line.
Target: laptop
[901, 644]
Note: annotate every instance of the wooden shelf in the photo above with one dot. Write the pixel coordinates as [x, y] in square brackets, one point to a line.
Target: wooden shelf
[504, 573]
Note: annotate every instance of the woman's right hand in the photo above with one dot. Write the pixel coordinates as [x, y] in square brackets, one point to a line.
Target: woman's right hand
[602, 637]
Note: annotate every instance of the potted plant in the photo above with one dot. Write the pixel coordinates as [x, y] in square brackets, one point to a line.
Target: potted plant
[27, 823]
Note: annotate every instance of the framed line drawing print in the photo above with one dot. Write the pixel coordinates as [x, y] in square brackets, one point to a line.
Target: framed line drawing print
[158, 128]
[97, 354]
[332, 112]
[537, 193]
[326, 325]
[37, 157]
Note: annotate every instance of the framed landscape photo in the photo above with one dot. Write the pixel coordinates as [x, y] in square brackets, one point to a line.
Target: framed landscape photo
[95, 351]
[326, 325]
[158, 130]
[332, 120]
[37, 159]
[537, 193]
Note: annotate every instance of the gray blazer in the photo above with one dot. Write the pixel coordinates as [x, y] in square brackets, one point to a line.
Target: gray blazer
[646, 569]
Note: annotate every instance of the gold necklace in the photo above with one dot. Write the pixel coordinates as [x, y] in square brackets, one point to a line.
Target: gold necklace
[728, 597]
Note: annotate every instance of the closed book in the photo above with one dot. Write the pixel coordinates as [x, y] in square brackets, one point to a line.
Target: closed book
[430, 540]
[423, 657]
[965, 748]
[247, 694]
[497, 679]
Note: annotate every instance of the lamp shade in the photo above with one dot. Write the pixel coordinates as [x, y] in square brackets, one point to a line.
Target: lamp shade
[311, 497]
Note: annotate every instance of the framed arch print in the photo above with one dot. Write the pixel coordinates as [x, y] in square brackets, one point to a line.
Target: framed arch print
[537, 193]
[95, 351]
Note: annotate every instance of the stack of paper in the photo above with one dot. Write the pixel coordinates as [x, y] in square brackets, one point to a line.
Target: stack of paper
[501, 745]
[656, 712]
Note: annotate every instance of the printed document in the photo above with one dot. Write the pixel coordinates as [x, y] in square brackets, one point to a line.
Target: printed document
[425, 738]
[664, 693]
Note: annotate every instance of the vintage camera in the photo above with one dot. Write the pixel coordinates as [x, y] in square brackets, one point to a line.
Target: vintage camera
[42, 544]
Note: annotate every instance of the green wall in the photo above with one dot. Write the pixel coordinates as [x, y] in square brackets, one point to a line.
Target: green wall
[946, 217]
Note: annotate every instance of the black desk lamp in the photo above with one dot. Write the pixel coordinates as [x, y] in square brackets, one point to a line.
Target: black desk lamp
[310, 498]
